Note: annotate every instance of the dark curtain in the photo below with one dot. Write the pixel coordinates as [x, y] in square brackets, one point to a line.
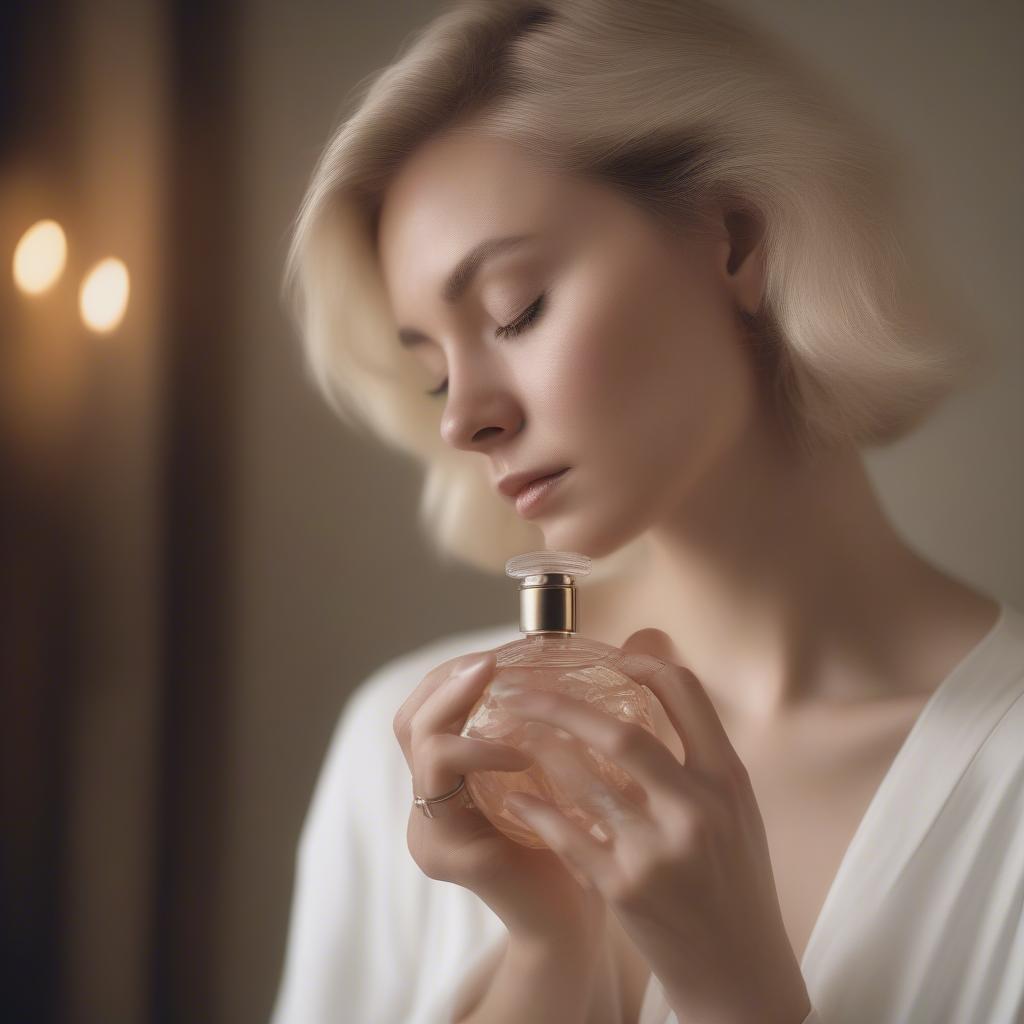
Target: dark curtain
[48, 582]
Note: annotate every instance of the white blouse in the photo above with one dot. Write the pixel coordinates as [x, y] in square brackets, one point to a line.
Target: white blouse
[924, 920]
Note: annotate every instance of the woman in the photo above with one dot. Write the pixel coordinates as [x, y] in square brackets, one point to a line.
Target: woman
[636, 242]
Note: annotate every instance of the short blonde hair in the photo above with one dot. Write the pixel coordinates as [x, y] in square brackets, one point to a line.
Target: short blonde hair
[671, 102]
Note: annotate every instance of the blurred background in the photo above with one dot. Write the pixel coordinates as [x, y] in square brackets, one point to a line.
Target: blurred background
[199, 564]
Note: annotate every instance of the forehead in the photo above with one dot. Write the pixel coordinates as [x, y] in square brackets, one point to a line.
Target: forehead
[456, 190]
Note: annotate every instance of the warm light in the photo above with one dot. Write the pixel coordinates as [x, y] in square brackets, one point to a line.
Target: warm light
[104, 295]
[39, 257]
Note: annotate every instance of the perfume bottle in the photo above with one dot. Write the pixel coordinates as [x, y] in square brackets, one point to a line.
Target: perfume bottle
[552, 656]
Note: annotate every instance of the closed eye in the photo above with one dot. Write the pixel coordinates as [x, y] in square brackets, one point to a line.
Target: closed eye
[523, 321]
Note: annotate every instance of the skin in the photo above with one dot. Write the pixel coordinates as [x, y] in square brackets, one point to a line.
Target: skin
[637, 374]
[816, 630]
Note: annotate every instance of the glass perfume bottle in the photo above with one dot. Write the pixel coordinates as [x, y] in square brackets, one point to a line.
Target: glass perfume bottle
[552, 656]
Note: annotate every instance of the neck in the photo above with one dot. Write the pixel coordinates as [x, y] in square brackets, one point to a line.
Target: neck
[783, 586]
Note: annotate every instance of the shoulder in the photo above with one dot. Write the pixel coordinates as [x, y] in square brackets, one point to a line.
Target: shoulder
[990, 708]
[1011, 638]
[1000, 663]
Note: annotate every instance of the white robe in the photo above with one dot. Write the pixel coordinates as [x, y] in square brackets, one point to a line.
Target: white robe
[924, 921]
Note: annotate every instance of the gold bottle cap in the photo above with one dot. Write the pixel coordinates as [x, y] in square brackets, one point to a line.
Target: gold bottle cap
[547, 593]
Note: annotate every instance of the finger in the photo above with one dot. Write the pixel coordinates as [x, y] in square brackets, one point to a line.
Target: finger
[436, 679]
[630, 746]
[443, 758]
[689, 709]
[431, 681]
[589, 861]
[571, 770]
[446, 709]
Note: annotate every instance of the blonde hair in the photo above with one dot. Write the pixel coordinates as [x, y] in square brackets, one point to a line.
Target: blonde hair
[672, 102]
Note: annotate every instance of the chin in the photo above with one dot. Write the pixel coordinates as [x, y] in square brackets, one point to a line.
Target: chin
[587, 535]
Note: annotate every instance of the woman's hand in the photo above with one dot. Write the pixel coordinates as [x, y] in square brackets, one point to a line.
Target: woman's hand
[531, 891]
[687, 871]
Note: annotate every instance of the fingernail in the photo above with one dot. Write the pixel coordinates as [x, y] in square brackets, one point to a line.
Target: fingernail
[474, 662]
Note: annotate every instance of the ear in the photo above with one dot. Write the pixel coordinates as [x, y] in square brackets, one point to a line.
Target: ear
[741, 256]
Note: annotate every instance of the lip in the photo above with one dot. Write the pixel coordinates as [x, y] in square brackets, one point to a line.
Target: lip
[532, 496]
[512, 484]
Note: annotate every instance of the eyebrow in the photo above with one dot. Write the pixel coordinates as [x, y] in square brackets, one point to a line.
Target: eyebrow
[459, 280]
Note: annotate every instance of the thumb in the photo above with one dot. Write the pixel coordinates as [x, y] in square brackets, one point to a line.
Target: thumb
[655, 642]
[646, 653]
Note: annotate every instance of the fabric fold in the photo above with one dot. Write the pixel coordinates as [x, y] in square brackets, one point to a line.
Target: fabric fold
[923, 920]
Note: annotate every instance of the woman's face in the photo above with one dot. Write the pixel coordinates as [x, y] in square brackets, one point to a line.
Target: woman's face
[633, 371]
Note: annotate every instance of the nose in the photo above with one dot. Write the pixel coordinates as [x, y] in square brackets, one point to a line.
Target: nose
[480, 414]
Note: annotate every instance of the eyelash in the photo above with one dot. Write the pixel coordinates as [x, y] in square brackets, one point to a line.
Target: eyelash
[510, 330]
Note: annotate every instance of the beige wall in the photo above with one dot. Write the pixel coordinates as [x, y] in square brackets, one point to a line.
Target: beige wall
[334, 579]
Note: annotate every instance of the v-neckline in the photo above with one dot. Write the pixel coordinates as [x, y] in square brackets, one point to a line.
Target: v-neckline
[873, 861]
[897, 852]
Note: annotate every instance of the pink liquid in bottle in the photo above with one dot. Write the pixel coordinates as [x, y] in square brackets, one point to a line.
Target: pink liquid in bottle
[551, 656]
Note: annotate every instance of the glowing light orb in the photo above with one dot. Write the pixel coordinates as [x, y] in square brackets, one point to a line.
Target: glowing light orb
[103, 298]
[39, 257]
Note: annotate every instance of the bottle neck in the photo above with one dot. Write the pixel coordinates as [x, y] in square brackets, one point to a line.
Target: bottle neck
[547, 604]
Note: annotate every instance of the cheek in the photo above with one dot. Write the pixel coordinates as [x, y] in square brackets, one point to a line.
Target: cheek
[636, 373]
[600, 358]
[649, 390]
